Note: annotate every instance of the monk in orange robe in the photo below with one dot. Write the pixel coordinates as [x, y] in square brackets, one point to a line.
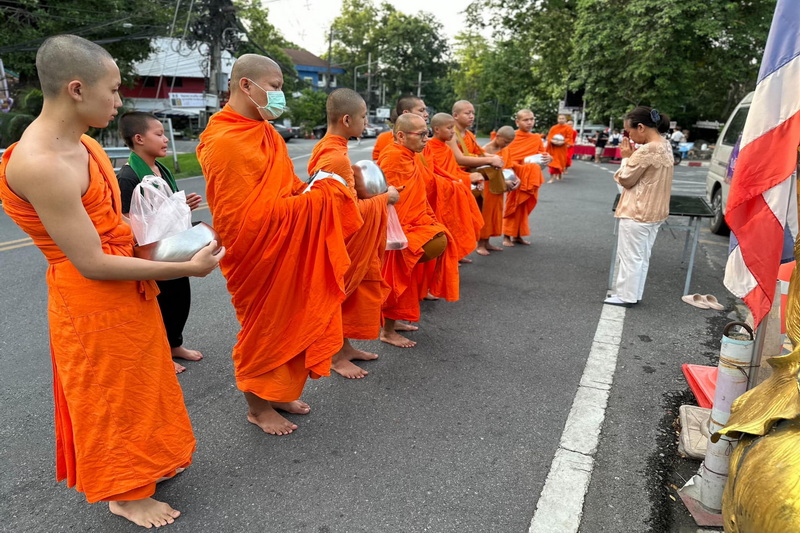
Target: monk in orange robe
[526, 152]
[405, 104]
[120, 420]
[559, 150]
[382, 141]
[286, 257]
[470, 156]
[470, 219]
[427, 238]
[365, 288]
[572, 139]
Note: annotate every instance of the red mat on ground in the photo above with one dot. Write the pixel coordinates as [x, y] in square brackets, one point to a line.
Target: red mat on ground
[703, 382]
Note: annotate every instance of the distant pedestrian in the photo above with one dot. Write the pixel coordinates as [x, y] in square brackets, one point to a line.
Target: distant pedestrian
[646, 178]
[600, 141]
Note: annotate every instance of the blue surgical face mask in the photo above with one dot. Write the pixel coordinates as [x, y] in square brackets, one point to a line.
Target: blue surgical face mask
[276, 103]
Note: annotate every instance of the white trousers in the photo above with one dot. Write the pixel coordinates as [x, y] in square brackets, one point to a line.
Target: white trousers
[634, 244]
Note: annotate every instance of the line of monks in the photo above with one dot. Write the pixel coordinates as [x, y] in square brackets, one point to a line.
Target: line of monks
[306, 264]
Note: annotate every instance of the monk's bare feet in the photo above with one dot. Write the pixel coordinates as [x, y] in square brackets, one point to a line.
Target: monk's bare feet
[551, 180]
[351, 352]
[178, 368]
[507, 241]
[430, 296]
[345, 368]
[146, 513]
[520, 240]
[271, 422]
[400, 326]
[395, 339]
[493, 248]
[465, 260]
[481, 250]
[177, 471]
[296, 407]
[190, 355]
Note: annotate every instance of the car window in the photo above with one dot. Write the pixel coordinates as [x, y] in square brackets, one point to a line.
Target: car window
[735, 126]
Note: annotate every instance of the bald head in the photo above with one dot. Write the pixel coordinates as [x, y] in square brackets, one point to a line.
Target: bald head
[409, 122]
[343, 102]
[507, 133]
[64, 58]
[461, 106]
[252, 67]
[441, 120]
[522, 113]
[406, 104]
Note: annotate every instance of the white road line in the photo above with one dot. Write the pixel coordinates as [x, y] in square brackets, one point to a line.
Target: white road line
[560, 505]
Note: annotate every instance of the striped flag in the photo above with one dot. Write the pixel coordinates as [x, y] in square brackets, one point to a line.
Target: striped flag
[762, 202]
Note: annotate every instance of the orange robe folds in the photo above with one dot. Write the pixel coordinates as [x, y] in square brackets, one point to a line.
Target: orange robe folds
[286, 256]
[120, 420]
[521, 201]
[365, 289]
[492, 208]
[571, 150]
[453, 203]
[382, 141]
[560, 154]
[401, 268]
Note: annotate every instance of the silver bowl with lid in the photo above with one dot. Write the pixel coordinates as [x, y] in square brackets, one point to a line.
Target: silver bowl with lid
[374, 180]
[179, 247]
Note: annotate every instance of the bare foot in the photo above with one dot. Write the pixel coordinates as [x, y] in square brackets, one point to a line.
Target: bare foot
[465, 260]
[551, 180]
[347, 369]
[271, 422]
[399, 326]
[520, 240]
[507, 242]
[395, 339]
[178, 368]
[430, 296]
[177, 471]
[190, 355]
[492, 248]
[481, 250]
[146, 513]
[296, 407]
[350, 352]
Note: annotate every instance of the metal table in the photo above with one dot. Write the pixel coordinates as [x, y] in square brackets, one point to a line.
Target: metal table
[694, 208]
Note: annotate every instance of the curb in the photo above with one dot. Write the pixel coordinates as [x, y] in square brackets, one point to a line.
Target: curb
[695, 163]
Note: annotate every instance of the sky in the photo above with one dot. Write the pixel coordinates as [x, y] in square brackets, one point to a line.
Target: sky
[306, 22]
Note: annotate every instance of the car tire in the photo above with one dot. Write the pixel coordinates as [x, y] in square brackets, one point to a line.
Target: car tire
[718, 225]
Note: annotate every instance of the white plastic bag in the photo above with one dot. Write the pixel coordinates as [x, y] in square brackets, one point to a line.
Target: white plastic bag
[156, 212]
[395, 238]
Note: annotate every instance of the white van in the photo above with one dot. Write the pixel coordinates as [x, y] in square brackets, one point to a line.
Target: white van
[716, 185]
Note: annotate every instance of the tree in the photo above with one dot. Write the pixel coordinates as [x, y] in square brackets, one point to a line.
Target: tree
[308, 110]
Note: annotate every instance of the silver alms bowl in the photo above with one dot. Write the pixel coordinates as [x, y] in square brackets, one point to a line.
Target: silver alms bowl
[374, 180]
[179, 247]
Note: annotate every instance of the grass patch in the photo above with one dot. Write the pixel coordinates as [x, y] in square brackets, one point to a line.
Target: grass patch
[188, 164]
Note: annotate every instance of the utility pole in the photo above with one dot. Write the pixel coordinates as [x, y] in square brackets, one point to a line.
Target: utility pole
[369, 81]
[419, 85]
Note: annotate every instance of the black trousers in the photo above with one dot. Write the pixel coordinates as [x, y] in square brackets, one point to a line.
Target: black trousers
[174, 300]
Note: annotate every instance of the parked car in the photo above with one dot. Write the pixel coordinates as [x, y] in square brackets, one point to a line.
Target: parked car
[371, 130]
[320, 131]
[717, 182]
[287, 132]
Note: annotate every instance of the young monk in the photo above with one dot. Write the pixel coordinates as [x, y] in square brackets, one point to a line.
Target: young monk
[470, 155]
[286, 257]
[521, 201]
[427, 238]
[572, 138]
[120, 420]
[364, 285]
[143, 133]
[405, 104]
[559, 152]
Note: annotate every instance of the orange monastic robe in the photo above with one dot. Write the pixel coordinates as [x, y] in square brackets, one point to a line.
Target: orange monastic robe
[382, 141]
[120, 420]
[453, 204]
[521, 201]
[560, 154]
[492, 207]
[401, 268]
[571, 149]
[365, 288]
[286, 257]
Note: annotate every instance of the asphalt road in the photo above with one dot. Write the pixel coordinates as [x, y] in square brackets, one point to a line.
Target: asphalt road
[455, 435]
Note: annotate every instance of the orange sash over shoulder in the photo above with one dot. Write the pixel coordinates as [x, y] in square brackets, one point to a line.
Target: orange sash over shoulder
[521, 201]
[120, 420]
[365, 288]
[492, 205]
[402, 169]
[560, 154]
[286, 256]
[382, 141]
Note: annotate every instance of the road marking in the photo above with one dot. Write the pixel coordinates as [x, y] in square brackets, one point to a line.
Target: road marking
[560, 504]
[4, 248]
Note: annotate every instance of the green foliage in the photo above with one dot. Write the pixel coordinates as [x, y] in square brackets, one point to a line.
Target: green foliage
[308, 110]
[27, 107]
[188, 164]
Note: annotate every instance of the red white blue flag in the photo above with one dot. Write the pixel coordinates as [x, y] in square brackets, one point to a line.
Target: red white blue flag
[762, 202]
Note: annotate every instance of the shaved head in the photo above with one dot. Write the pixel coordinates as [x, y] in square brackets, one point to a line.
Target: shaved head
[522, 113]
[507, 133]
[252, 67]
[64, 58]
[406, 103]
[460, 106]
[441, 119]
[409, 122]
[343, 102]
